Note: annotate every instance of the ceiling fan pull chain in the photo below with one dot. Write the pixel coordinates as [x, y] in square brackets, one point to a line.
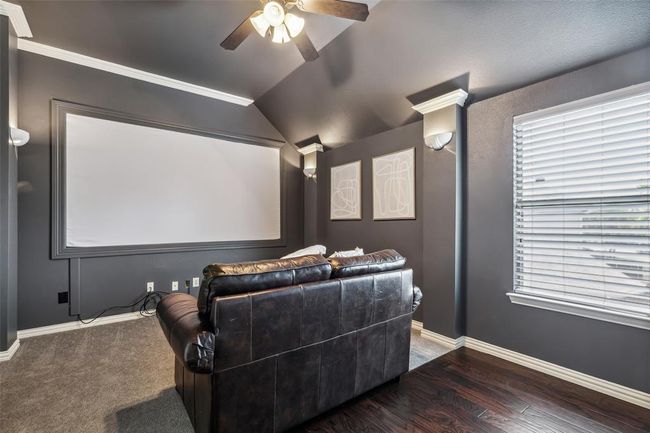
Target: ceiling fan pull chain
[298, 3]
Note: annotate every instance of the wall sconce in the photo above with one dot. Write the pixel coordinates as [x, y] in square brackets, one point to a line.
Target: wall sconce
[18, 137]
[439, 121]
[438, 141]
[310, 173]
[309, 159]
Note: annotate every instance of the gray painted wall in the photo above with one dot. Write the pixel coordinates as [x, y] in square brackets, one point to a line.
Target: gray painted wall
[5, 183]
[428, 242]
[613, 352]
[311, 210]
[404, 236]
[8, 195]
[440, 182]
[116, 280]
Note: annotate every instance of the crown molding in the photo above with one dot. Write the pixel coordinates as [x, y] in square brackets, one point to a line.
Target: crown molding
[457, 97]
[314, 147]
[17, 18]
[114, 68]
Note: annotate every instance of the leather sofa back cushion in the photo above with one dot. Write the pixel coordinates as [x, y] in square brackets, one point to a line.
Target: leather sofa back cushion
[380, 261]
[222, 279]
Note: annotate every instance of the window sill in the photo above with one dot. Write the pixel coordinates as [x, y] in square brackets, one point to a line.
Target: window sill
[628, 319]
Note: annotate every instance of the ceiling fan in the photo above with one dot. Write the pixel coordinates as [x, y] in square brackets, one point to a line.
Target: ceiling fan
[276, 20]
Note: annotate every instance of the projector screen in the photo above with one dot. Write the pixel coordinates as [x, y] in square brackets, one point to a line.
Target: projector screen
[128, 184]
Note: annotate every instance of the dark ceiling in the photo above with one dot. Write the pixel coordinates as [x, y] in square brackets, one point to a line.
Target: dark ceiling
[178, 39]
[363, 80]
[361, 83]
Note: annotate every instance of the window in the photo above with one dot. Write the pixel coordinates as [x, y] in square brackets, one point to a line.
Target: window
[582, 207]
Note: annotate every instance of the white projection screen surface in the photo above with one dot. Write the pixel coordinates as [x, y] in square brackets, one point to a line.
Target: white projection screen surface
[127, 184]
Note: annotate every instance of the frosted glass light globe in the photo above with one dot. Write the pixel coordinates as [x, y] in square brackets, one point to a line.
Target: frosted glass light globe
[274, 13]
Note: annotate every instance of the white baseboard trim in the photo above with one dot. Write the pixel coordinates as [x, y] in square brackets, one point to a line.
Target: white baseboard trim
[71, 326]
[621, 392]
[417, 326]
[615, 390]
[7, 354]
[442, 339]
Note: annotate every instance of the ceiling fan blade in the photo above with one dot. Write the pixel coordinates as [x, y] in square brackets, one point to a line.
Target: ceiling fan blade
[238, 35]
[338, 8]
[305, 47]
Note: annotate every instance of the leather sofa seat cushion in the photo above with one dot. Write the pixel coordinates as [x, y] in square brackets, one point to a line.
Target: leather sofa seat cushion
[380, 261]
[221, 279]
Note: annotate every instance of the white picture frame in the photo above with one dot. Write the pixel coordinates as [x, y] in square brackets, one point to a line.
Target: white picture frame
[345, 191]
[393, 185]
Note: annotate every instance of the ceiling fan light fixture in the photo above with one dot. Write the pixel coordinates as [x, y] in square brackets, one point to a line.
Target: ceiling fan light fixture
[294, 24]
[272, 19]
[274, 13]
[260, 23]
[280, 34]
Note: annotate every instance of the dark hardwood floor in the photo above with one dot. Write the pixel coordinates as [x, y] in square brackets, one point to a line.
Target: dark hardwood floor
[468, 391]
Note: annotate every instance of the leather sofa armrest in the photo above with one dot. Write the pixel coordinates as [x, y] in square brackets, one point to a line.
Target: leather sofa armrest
[191, 339]
[417, 297]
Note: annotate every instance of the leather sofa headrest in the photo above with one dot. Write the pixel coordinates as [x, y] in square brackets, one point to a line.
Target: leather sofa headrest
[223, 279]
[380, 261]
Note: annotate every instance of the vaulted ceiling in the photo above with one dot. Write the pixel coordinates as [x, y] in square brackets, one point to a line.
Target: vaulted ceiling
[362, 81]
[176, 38]
[368, 74]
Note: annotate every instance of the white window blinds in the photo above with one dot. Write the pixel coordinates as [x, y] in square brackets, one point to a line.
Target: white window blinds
[582, 203]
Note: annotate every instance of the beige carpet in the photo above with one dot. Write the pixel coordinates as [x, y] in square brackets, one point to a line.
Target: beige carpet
[105, 379]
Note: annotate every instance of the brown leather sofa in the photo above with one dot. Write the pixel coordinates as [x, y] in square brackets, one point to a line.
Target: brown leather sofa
[271, 344]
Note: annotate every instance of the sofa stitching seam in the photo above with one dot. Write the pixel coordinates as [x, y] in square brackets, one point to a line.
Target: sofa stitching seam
[358, 265]
[250, 326]
[293, 268]
[313, 344]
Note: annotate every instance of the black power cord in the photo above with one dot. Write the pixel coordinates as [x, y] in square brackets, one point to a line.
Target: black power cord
[147, 309]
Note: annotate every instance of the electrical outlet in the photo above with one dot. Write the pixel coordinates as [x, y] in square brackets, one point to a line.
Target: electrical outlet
[150, 286]
[174, 286]
[195, 282]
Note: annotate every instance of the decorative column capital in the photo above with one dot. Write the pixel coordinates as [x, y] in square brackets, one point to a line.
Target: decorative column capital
[457, 97]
